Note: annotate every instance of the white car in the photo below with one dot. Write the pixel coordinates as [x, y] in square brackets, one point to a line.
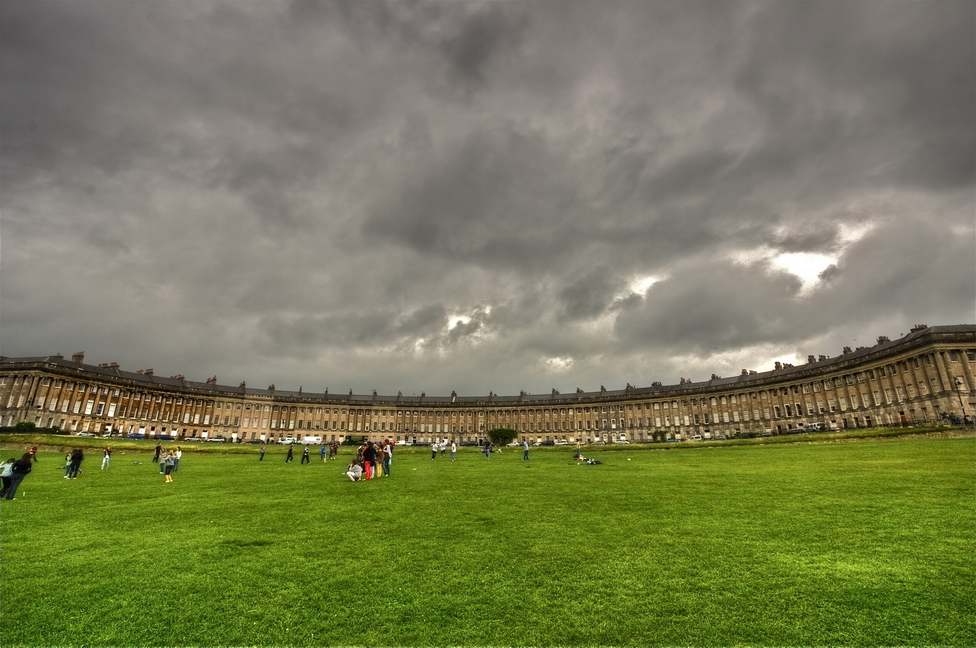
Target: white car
[85, 434]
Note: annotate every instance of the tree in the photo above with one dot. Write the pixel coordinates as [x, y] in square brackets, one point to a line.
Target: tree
[26, 425]
[502, 436]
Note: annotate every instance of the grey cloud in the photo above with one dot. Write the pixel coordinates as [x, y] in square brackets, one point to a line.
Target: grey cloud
[478, 39]
[712, 305]
[589, 297]
[274, 191]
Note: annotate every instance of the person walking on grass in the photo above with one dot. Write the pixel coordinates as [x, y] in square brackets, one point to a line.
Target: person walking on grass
[369, 459]
[19, 471]
[291, 455]
[453, 449]
[525, 450]
[322, 452]
[105, 458]
[387, 457]
[178, 455]
[263, 450]
[169, 460]
[157, 454]
[487, 450]
[74, 468]
[305, 456]
[8, 470]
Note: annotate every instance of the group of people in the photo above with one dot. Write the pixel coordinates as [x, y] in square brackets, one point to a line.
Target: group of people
[72, 463]
[442, 446]
[372, 460]
[326, 452]
[168, 460]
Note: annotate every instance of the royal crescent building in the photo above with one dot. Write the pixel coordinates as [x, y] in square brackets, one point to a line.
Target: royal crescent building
[925, 377]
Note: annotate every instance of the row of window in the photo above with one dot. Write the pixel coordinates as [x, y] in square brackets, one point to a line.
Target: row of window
[141, 405]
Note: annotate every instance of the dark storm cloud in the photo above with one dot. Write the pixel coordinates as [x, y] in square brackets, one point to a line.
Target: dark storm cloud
[735, 306]
[589, 297]
[491, 196]
[864, 73]
[478, 39]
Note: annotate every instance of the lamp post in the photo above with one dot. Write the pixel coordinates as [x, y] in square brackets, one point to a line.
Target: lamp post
[962, 405]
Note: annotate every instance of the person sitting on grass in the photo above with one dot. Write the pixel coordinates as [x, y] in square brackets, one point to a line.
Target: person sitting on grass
[355, 472]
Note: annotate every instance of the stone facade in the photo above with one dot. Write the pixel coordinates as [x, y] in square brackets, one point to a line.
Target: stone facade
[918, 379]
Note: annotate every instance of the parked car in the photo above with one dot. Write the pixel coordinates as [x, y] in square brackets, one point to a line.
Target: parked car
[164, 437]
[719, 437]
[621, 441]
[135, 436]
[562, 442]
[288, 441]
[216, 439]
[84, 434]
[697, 437]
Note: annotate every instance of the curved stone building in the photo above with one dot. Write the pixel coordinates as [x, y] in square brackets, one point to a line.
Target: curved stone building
[921, 378]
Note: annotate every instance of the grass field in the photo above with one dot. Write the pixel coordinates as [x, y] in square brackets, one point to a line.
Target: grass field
[854, 544]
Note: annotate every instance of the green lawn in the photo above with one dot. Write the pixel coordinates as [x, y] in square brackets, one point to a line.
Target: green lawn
[855, 544]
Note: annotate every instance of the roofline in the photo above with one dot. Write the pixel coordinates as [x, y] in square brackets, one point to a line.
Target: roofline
[920, 335]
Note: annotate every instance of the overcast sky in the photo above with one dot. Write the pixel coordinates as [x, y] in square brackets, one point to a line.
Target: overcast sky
[438, 196]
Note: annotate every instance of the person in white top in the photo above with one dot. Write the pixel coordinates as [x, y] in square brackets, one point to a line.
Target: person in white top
[387, 457]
